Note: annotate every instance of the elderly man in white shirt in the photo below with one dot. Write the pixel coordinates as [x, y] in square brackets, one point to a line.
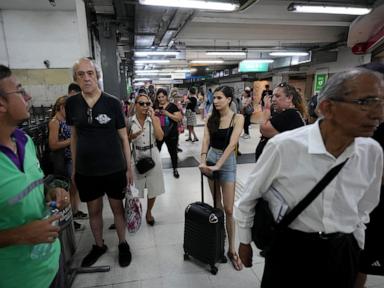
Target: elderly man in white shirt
[352, 106]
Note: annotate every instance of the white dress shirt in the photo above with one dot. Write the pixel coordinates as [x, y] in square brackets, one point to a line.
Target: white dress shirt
[294, 161]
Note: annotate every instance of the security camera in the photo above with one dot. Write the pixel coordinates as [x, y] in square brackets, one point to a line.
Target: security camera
[47, 63]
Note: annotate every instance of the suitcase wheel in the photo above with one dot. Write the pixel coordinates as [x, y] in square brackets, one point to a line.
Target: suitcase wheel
[186, 256]
[213, 270]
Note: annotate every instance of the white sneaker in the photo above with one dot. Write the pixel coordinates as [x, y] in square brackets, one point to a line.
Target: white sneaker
[245, 136]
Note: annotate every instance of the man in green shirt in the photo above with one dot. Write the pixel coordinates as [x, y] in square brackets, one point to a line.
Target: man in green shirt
[23, 204]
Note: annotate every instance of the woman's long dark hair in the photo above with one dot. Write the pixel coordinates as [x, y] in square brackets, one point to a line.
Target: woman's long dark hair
[156, 104]
[214, 120]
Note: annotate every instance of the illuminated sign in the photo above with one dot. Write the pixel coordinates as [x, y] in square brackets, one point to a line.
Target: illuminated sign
[247, 66]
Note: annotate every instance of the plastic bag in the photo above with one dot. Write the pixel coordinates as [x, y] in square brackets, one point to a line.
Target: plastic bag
[133, 210]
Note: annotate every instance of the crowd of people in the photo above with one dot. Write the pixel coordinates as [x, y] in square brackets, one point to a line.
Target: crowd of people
[101, 143]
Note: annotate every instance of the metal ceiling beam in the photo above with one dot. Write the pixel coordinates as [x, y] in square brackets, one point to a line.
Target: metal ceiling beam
[164, 25]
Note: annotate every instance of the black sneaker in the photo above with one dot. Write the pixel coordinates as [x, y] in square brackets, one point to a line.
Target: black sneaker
[125, 255]
[94, 255]
[79, 215]
[179, 149]
[176, 173]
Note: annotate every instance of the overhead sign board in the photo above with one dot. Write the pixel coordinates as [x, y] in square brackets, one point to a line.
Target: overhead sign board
[170, 81]
[178, 75]
[253, 67]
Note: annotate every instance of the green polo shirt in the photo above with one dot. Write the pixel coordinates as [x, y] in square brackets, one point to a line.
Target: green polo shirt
[22, 201]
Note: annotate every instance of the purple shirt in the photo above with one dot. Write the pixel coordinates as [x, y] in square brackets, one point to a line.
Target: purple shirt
[21, 140]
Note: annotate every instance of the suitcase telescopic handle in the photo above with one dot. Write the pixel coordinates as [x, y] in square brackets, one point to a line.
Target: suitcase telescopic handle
[202, 190]
[202, 187]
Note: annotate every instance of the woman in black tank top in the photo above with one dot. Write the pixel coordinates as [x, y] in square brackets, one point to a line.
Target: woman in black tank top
[218, 160]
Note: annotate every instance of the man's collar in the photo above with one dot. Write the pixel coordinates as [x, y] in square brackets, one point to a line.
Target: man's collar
[316, 142]
[96, 94]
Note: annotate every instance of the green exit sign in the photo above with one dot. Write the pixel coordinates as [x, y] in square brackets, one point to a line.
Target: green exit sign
[320, 80]
[248, 66]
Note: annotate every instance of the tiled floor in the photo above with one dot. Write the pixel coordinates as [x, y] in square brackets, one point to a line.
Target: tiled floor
[158, 251]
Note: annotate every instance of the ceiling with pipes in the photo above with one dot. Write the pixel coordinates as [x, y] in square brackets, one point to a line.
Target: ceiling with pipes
[257, 28]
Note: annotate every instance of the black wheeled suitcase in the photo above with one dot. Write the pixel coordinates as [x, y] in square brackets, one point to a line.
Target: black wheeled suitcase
[204, 232]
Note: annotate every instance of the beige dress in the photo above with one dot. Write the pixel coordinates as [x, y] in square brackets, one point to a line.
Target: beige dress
[153, 180]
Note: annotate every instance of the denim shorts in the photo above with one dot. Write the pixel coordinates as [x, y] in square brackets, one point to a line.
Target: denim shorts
[227, 172]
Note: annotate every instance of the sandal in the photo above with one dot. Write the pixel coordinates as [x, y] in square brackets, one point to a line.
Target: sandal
[235, 260]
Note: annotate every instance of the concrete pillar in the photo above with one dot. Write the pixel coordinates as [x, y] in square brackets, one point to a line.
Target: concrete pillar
[123, 77]
[276, 79]
[109, 59]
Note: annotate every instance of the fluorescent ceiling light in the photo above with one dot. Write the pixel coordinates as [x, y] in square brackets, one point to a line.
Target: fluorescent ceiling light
[153, 74]
[184, 70]
[141, 79]
[226, 53]
[206, 61]
[151, 61]
[327, 9]
[166, 71]
[287, 53]
[258, 61]
[194, 4]
[156, 53]
[147, 71]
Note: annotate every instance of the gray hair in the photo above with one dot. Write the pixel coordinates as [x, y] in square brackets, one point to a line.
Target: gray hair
[76, 65]
[337, 86]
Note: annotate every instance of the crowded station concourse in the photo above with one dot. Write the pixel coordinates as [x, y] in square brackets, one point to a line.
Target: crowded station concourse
[118, 118]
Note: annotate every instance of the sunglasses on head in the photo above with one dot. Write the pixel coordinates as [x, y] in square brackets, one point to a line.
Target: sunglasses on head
[283, 84]
[287, 86]
[142, 103]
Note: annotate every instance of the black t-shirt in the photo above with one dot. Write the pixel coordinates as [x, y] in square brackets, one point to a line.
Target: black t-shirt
[284, 121]
[287, 120]
[192, 103]
[168, 125]
[99, 149]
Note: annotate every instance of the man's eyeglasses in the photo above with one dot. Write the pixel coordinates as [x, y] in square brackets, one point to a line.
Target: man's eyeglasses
[89, 114]
[142, 104]
[365, 104]
[20, 91]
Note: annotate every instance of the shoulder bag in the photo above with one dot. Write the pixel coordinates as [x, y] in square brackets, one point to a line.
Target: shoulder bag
[265, 227]
[145, 164]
